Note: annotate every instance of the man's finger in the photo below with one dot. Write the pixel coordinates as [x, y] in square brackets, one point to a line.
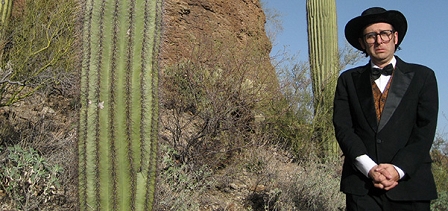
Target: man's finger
[384, 172]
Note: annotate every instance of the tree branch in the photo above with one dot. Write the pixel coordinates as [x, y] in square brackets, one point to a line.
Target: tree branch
[7, 74]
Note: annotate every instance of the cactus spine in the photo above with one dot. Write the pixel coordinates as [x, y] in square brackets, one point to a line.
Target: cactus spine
[119, 104]
[324, 64]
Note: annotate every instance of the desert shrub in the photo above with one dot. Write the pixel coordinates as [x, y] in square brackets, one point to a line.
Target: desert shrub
[439, 154]
[269, 167]
[295, 122]
[179, 186]
[46, 125]
[27, 179]
[288, 129]
[39, 48]
[211, 104]
[441, 203]
[440, 170]
[290, 119]
[8, 134]
[314, 187]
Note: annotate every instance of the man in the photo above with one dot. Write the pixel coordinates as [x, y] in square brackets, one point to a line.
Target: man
[385, 116]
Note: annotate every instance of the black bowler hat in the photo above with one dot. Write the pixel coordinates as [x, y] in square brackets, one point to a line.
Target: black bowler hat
[355, 27]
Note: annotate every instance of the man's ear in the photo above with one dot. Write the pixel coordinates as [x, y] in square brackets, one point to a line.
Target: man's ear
[396, 37]
[361, 42]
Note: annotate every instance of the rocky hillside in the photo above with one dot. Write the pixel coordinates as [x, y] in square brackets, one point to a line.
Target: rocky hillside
[234, 24]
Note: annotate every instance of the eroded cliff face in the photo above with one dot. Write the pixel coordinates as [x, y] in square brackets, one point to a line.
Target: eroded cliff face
[235, 26]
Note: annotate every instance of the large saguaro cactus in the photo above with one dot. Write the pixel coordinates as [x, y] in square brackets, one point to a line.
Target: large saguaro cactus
[119, 111]
[324, 63]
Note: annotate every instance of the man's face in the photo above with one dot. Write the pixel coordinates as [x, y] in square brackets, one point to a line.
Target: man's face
[377, 44]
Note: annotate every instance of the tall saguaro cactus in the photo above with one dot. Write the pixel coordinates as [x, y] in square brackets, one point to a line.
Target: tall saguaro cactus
[119, 111]
[324, 63]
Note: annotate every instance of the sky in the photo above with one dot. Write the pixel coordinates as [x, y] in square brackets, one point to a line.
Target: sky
[426, 40]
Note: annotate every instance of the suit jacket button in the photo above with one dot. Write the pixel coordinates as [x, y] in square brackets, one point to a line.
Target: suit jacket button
[378, 141]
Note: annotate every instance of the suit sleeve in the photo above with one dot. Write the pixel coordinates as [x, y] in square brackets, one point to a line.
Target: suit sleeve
[416, 152]
[349, 142]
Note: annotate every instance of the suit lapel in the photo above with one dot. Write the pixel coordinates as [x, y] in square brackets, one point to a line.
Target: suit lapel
[361, 79]
[400, 83]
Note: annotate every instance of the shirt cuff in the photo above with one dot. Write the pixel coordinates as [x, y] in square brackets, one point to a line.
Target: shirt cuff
[364, 163]
[400, 172]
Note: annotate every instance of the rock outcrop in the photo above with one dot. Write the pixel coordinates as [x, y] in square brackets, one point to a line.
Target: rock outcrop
[238, 25]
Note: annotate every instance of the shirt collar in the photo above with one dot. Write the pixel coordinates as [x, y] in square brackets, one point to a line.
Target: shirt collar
[393, 61]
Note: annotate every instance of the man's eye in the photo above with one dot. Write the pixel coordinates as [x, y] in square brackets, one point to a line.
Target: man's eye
[370, 36]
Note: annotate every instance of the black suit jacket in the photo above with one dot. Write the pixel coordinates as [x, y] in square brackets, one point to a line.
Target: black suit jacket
[402, 137]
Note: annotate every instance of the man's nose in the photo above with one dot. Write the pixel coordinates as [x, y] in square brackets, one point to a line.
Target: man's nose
[378, 39]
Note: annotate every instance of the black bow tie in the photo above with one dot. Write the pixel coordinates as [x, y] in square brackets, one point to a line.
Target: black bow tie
[377, 72]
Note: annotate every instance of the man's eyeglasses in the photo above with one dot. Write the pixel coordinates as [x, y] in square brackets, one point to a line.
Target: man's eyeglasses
[385, 35]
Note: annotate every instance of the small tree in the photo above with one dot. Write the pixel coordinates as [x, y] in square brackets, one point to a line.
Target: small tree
[36, 45]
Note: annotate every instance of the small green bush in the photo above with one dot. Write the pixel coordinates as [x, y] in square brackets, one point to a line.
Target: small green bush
[39, 48]
[441, 203]
[27, 179]
[316, 187]
[209, 109]
[179, 184]
[439, 154]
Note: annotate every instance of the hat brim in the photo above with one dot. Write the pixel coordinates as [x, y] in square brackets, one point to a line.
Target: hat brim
[355, 27]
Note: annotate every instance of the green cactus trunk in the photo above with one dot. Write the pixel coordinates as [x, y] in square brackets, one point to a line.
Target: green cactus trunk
[5, 10]
[5, 14]
[324, 64]
[119, 104]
